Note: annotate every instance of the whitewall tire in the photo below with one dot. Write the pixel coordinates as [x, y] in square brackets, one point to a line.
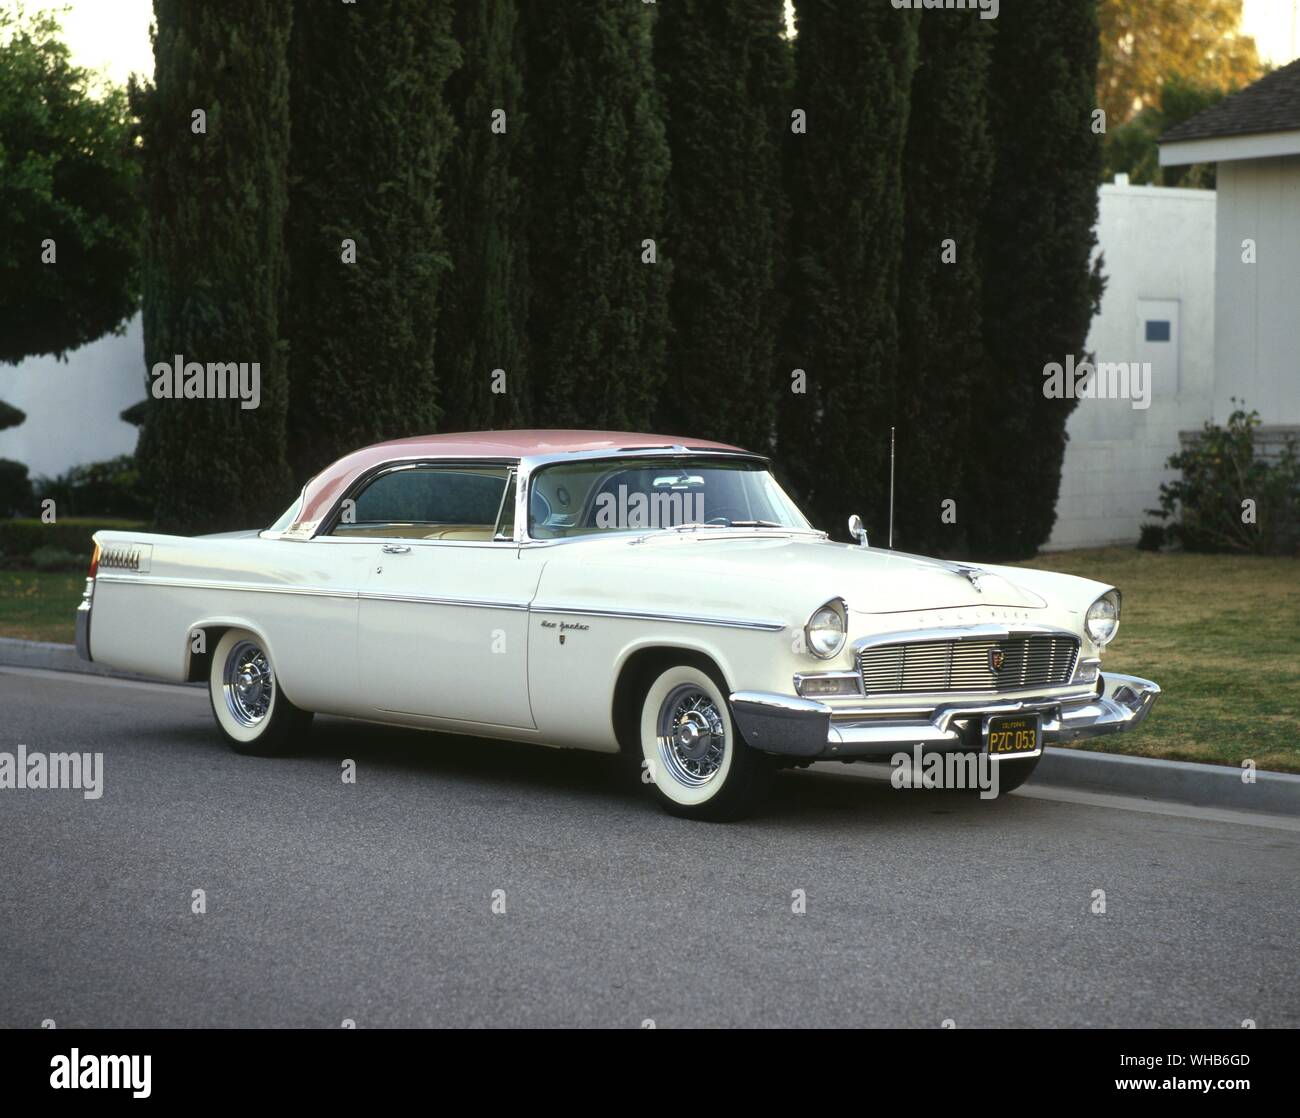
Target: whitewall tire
[253, 714]
[692, 757]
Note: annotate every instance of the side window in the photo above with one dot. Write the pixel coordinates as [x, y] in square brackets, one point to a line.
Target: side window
[427, 503]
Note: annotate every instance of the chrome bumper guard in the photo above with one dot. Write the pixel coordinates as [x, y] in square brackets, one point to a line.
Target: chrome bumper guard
[83, 629]
[800, 727]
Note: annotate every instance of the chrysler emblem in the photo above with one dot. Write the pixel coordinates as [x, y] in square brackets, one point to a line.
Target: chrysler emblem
[996, 658]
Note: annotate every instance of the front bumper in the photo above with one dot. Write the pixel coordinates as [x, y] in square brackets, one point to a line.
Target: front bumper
[805, 728]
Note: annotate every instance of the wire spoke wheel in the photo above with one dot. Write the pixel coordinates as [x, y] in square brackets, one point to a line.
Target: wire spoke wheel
[692, 736]
[248, 684]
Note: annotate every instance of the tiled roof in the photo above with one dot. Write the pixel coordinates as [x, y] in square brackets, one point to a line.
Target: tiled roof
[1271, 104]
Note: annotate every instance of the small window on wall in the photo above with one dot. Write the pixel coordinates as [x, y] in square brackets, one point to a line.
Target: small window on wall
[1159, 330]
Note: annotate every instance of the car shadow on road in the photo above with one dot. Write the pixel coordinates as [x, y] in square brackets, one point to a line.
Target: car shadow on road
[576, 775]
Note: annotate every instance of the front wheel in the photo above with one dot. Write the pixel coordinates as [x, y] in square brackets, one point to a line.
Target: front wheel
[253, 714]
[693, 758]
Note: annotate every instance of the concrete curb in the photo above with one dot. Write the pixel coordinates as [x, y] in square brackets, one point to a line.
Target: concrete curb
[1183, 782]
[53, 657]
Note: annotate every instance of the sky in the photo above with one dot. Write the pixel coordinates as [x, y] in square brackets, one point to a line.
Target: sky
[113, 35]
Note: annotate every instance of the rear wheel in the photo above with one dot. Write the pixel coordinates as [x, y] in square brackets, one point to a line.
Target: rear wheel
[693, 759]
[253, 714]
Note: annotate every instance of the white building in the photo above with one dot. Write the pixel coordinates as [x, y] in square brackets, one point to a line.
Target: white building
[1254, 137]
[1222, 268]
[73, 406]
[1158, 246]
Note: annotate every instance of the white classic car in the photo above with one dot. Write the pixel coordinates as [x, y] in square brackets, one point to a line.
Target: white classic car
[614, 592]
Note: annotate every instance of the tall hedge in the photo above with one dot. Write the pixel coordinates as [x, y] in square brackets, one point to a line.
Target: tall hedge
[854, 64]
[597, 162]
[370, 133]
[214, 255]
[947, 168]
[482, 322]
[1040, 290]
[725, 72]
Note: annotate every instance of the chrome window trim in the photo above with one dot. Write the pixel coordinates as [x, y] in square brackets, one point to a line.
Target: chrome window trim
[327, 522]
[531, 463]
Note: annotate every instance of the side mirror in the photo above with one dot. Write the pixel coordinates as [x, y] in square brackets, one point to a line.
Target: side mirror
[857, 531]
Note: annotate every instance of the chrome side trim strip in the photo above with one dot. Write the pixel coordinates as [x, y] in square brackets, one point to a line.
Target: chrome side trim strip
[314, 592]
[677, 618]
[213, 584]
[421, 600]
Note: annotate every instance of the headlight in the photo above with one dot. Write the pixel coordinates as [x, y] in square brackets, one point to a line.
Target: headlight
[826, 630]
[1102, 621]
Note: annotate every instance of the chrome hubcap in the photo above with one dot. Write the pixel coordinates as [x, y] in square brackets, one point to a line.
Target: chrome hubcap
[248, 685]
[692, 736]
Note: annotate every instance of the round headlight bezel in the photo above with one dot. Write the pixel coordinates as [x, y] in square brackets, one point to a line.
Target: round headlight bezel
[819, 623]
[1104, 611]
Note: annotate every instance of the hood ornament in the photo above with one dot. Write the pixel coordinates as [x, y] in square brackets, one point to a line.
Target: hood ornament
[971, 575]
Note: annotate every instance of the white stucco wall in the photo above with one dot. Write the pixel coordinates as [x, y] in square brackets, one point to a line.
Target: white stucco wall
[1257, 310]
[72, 406]
[1159, 247]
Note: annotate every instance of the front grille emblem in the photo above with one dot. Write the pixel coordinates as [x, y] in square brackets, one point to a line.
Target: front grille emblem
[997, 657]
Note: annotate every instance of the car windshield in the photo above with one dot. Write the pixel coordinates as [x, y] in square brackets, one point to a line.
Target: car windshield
[619, 495]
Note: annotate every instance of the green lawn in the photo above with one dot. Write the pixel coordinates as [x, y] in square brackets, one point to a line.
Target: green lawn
[38, 606]
[1221, 635]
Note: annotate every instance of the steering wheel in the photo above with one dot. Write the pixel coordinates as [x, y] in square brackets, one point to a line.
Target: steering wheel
[726, 515]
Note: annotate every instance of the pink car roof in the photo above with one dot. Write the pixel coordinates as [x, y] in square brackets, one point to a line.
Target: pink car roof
[328, 485]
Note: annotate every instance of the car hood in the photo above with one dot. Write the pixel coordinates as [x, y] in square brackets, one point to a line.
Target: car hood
[870, 580]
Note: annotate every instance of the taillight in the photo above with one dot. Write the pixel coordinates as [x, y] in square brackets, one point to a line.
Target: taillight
[94, 562]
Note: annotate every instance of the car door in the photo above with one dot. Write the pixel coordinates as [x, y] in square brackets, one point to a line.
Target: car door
[442, 622]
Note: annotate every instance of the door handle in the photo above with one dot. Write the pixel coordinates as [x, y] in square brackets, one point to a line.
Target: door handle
[395, 549]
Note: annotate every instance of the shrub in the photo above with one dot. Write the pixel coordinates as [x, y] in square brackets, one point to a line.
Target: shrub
[1229, 498]
[98, 489]
[20, 540]
[57, 559]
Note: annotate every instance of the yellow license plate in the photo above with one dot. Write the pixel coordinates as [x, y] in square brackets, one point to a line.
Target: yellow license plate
[1009, 735]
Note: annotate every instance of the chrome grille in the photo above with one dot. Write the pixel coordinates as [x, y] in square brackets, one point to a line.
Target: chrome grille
[965, 665]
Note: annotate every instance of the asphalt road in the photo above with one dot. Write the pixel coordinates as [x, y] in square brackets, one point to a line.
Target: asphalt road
[374, 901]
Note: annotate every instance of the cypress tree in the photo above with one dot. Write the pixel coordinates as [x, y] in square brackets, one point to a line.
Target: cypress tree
[484, 301]
[725, 72]
[596, 167]
[947, 166]
[213, 255]
[370, 132]
[854, 64]
[1039, 290]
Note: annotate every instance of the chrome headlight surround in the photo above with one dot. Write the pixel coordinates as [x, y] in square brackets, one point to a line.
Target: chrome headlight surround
[1101, 622]
[827, 629]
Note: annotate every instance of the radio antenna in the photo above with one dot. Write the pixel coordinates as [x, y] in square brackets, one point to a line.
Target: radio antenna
[891, 488]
